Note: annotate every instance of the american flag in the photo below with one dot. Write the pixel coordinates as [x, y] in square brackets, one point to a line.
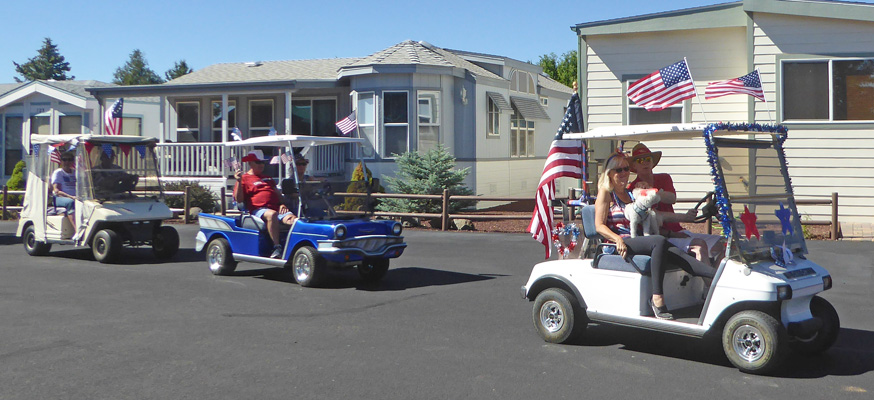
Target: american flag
[573, 122]
[564, 160]
[663, 88]
[236, 134]
[112, 117]
[749, 84]
[347, 124]
[54, 155]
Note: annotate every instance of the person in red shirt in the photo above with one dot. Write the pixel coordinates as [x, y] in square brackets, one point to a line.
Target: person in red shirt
[262, 198]
[642, 163]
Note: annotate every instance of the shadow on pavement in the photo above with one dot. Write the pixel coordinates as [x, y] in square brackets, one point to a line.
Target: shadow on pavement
[9, 239]
[851, 355]
[395, 279]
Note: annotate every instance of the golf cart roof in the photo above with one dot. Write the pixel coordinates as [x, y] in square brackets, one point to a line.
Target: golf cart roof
[650, 132]
[294, 141]
[66, 138]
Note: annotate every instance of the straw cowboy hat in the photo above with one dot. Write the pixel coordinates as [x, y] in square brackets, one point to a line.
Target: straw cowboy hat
[640, 150]
[254, 155]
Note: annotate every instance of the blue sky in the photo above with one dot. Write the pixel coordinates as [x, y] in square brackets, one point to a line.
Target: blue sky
[97, 36]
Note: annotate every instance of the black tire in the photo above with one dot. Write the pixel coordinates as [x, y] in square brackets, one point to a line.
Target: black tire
[106, 245]
[165, 242]
[826, 336]
[557, 316]
[32, 246]
[219, 257]
[373, 269]
[307, 266]
[754, 342]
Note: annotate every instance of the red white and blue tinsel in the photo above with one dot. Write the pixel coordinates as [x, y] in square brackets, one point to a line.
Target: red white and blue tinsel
[571, 231]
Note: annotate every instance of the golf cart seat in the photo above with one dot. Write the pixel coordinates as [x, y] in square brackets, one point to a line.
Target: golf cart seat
[605, 257]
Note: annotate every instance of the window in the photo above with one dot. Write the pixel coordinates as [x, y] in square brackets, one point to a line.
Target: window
[522, 82]
[260, 117]
[40, 125]
[807, 84]
[366, 115]
[70, 124]
[217, 118]
[493, 119]
[314, 117]
[544, 101]
[521, 135]
[132, 126]
[429, 120]
[638, 115]
[396, 124]
[187, 121]
[12, 151]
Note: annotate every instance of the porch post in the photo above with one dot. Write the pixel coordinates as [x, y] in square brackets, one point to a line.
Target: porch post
[288, 112]
[224, 150]
[161, 119]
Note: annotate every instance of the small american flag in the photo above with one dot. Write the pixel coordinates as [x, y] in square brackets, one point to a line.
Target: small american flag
[750, 84]
[347, 124]
[54, 155]
[663, 88]
[236, 134]
[564, 160]
[112, 117]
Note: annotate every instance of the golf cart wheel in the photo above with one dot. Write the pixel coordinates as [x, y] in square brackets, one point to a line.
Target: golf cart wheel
[32, 246]
[556, 317]
[219, 257]
[373, 269]
[753, 341]
[106, 245]
[307, 266]
[165, 242]
[825, 337]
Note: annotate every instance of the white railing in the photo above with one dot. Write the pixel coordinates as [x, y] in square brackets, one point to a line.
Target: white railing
[205, 159]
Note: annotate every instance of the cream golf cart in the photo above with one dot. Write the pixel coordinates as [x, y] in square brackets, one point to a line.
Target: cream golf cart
[763, 300]
[118, 199]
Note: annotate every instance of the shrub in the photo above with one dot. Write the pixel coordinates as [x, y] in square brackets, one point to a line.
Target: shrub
[360, 181]
[16, 182]
[430, 173]
[198, 196]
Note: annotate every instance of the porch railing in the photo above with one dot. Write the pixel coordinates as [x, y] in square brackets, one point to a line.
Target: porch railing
[205, 159]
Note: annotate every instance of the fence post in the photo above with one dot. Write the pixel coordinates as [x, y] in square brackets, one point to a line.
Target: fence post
[5, 199]
[224, 200]
[570, 196]
[834, 216]
[444, 219]
[710, 226]
[186, 210]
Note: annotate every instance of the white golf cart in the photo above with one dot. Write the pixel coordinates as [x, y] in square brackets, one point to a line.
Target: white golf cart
[763, 299]
[118, 199]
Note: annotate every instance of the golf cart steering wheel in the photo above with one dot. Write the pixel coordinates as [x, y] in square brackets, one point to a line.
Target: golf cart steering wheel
[709, 210]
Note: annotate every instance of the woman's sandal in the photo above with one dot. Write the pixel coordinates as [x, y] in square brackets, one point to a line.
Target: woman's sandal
[660, 312]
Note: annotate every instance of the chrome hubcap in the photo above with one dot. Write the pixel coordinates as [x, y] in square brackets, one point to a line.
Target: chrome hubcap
[748, 343]
[302, 267]
[101, 246]
[551, 316]
[215, 258]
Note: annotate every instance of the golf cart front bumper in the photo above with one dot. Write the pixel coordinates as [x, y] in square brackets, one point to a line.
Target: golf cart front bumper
[357, 249]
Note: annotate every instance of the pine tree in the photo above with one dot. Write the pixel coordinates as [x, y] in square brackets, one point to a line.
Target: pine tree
[180, 68]
[48, 64]
[426, 174]
[136, 71]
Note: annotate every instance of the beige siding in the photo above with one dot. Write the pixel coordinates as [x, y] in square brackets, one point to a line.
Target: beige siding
[514, 178]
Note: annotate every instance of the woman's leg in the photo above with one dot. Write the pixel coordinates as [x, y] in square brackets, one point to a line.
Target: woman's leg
[654, 246]
[688, 263]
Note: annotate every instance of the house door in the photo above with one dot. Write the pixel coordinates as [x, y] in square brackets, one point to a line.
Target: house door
[12, 151]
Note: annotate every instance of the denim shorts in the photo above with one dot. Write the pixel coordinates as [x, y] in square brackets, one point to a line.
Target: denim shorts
[260, 213]
[65, 202]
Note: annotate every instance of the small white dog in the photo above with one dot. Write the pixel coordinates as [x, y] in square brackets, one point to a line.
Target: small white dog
[640, 212]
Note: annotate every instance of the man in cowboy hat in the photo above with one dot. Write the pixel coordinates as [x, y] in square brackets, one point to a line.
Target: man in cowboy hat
[642, 163]
[261, 197]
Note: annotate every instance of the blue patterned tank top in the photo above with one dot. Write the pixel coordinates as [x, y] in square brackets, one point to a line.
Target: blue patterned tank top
[616, 220]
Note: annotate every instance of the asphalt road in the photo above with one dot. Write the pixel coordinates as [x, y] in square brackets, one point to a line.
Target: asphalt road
[446, 323]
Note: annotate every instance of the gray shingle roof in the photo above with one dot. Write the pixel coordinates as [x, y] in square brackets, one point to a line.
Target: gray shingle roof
[419, 53]
[320, 69]
[74, 87]
[551, 84]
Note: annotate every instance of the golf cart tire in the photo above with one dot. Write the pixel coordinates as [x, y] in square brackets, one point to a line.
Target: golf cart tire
[165, 242]
[373, 269]
[307, 266]
[557, 317]
[826, 336]
[32, 246]
[106, 245]
[754, 342]
[219, 257]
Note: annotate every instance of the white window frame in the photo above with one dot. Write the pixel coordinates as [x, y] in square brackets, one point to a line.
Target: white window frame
[139, 122]
[523, 133]
[493, 114]
[831, 88]
[382, 135]
[196, 131]
[218, 131]
[516, 79]
[272, 123]
[362, 153]
[631, 106]
[311, 100]
[436, 110]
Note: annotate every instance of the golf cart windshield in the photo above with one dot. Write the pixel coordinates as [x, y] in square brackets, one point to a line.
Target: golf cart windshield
[329, 200]
[762, 207]
[112, 171]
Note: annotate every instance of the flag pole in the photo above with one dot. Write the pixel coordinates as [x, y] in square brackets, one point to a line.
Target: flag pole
[689, 70]
[767, 106]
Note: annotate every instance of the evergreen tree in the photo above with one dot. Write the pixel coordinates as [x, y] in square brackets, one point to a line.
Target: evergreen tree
[180, 68]
[426, 174]
[48, 64]
[136, 71]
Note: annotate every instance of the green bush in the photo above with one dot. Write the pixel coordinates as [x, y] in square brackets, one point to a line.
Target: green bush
[16, 182]
[198, 196]
[428, 173]
[360, 181]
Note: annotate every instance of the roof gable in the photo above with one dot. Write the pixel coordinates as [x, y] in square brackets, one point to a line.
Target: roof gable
[72, 92]
[419, 54]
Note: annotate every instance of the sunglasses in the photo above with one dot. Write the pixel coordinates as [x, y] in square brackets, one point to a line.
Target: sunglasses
[621, 170]
[642, 160]
[66, 159]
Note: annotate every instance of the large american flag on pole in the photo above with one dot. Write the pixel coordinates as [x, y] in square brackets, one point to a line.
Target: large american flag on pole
[565, 159]
[112, 117]
[663, 88]
[750, 84]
